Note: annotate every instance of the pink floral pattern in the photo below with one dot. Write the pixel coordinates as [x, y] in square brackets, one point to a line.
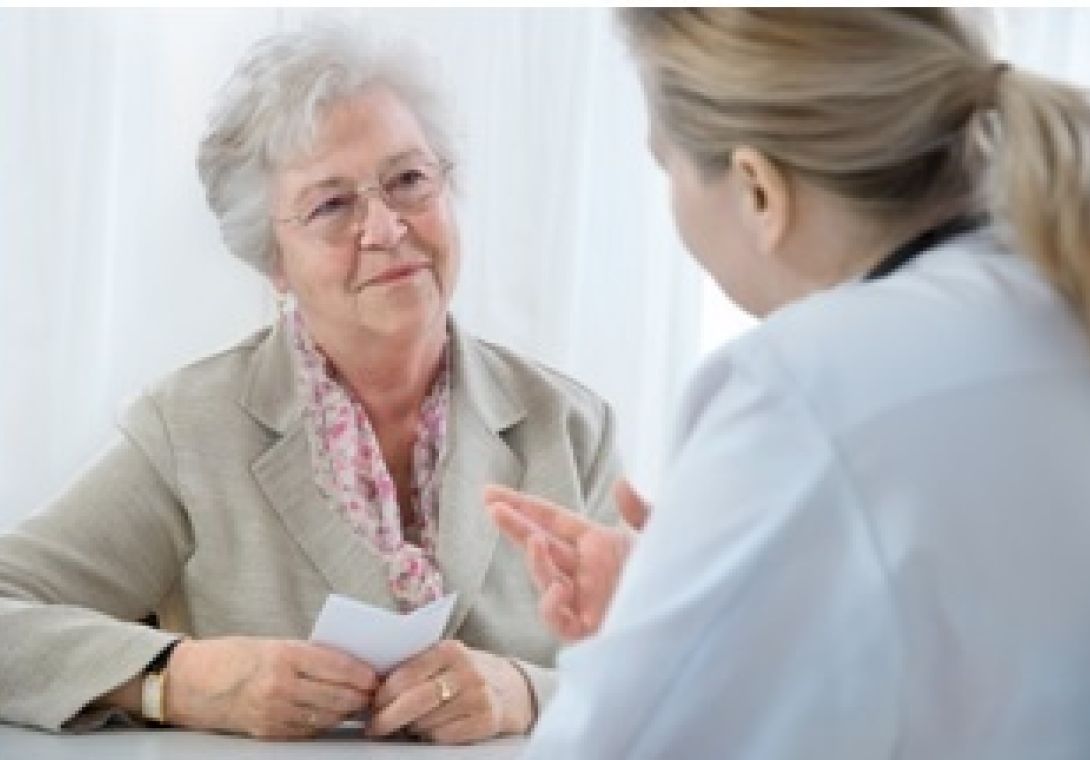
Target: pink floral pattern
[351, 473]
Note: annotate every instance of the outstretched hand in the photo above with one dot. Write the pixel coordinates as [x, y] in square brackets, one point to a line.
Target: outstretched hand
[575, 563]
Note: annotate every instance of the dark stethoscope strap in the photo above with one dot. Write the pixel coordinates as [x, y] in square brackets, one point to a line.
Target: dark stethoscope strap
[926, 240]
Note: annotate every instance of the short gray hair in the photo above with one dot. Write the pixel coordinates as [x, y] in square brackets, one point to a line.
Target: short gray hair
[269, 110]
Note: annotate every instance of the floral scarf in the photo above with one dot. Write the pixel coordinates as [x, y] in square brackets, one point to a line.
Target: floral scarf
[351, 473]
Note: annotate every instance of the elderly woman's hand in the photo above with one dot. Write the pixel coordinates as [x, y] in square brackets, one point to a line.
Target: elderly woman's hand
[451, 694]
[576, 564]
[264, 688]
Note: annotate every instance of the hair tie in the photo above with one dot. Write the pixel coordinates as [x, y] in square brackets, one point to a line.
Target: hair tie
[990, 92]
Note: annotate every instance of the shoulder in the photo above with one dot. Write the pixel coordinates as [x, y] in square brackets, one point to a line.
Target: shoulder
[548, 419]
[210, 386]
[196, 410]
[222, 372]
[966, 315]
[532, 384]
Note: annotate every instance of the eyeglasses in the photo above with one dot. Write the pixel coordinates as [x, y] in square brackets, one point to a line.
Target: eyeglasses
[337, 212]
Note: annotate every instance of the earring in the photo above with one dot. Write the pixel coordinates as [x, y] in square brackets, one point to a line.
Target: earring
[285, 302]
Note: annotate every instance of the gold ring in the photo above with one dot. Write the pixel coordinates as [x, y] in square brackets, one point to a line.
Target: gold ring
[443, 687]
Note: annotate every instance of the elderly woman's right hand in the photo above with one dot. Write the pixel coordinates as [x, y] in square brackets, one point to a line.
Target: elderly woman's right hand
[268, 689]
[576, 564]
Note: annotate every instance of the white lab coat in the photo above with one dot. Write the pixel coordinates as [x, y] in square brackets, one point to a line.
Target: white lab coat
[873, 540]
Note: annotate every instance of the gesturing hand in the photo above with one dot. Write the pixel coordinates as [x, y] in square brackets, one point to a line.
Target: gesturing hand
[451, 694]
[575, 563]
[265, 688]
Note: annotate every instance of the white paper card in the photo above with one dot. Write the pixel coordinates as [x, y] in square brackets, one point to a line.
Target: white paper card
[379, 637]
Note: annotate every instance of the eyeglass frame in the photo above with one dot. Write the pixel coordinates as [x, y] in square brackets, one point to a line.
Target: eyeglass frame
[443, 168]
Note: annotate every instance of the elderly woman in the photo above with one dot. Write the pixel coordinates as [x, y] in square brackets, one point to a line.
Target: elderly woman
[343, 449]
[872, 542]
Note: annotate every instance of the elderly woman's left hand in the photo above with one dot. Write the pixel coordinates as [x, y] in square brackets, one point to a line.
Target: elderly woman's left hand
[451, 694]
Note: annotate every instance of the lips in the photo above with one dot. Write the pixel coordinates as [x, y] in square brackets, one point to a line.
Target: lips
[395, 273]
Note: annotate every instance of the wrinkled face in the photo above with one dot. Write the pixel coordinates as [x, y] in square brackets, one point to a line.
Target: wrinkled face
[709, 215]
[394, 275]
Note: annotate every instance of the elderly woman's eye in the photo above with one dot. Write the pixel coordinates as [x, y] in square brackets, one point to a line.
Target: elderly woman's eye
[336, 204]
[407, 179]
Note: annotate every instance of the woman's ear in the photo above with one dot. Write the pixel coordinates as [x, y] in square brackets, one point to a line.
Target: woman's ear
[766, 197]
[276, 276]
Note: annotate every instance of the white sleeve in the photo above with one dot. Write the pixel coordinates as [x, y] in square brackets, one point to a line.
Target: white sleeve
[755, 619]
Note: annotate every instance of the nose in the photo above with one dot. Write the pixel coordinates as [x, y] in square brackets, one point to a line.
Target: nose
[383, 228]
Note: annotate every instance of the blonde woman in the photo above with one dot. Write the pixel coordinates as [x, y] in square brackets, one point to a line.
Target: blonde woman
[873, 541]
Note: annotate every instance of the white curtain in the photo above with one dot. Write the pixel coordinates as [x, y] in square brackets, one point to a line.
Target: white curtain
[1051, 41]
[112, 272]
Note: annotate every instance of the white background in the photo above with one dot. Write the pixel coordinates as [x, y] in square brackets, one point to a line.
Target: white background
[111, 268]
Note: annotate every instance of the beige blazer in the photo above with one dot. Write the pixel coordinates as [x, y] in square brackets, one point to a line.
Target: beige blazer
[206, 512]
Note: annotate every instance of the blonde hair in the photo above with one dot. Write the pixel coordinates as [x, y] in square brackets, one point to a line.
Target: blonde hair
[902, 112]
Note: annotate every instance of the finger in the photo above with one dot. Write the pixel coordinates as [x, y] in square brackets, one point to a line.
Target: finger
[633, 507]
[544, 564]
[604, 556]
[307, 720]
[512, 523]
[465, 730]
[299, 706]
[287, 720]
[527, 534]
[542, 569]
[283, 731]
[564, 557]
[465, 702]
[328, 699]
[558, 599]
[321, 663]
[407, 708]
[557, 520]
[555, 608]
[445, 655]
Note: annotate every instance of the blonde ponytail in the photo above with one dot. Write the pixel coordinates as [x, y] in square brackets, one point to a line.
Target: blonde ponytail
[1041, 185]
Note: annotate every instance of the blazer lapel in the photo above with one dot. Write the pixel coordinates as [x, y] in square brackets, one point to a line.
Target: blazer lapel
[481, 412]
[346, 561]
[285, 476]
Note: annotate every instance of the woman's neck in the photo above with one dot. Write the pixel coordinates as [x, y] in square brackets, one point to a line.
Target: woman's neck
[835, 242]
[390, 375]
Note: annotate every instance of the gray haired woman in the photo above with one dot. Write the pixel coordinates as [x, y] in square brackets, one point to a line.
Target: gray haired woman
[342, 449]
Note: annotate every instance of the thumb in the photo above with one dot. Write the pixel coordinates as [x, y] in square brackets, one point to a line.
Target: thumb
[633, 508]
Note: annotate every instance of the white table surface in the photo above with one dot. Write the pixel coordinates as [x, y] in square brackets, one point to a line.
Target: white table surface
[163, 744]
